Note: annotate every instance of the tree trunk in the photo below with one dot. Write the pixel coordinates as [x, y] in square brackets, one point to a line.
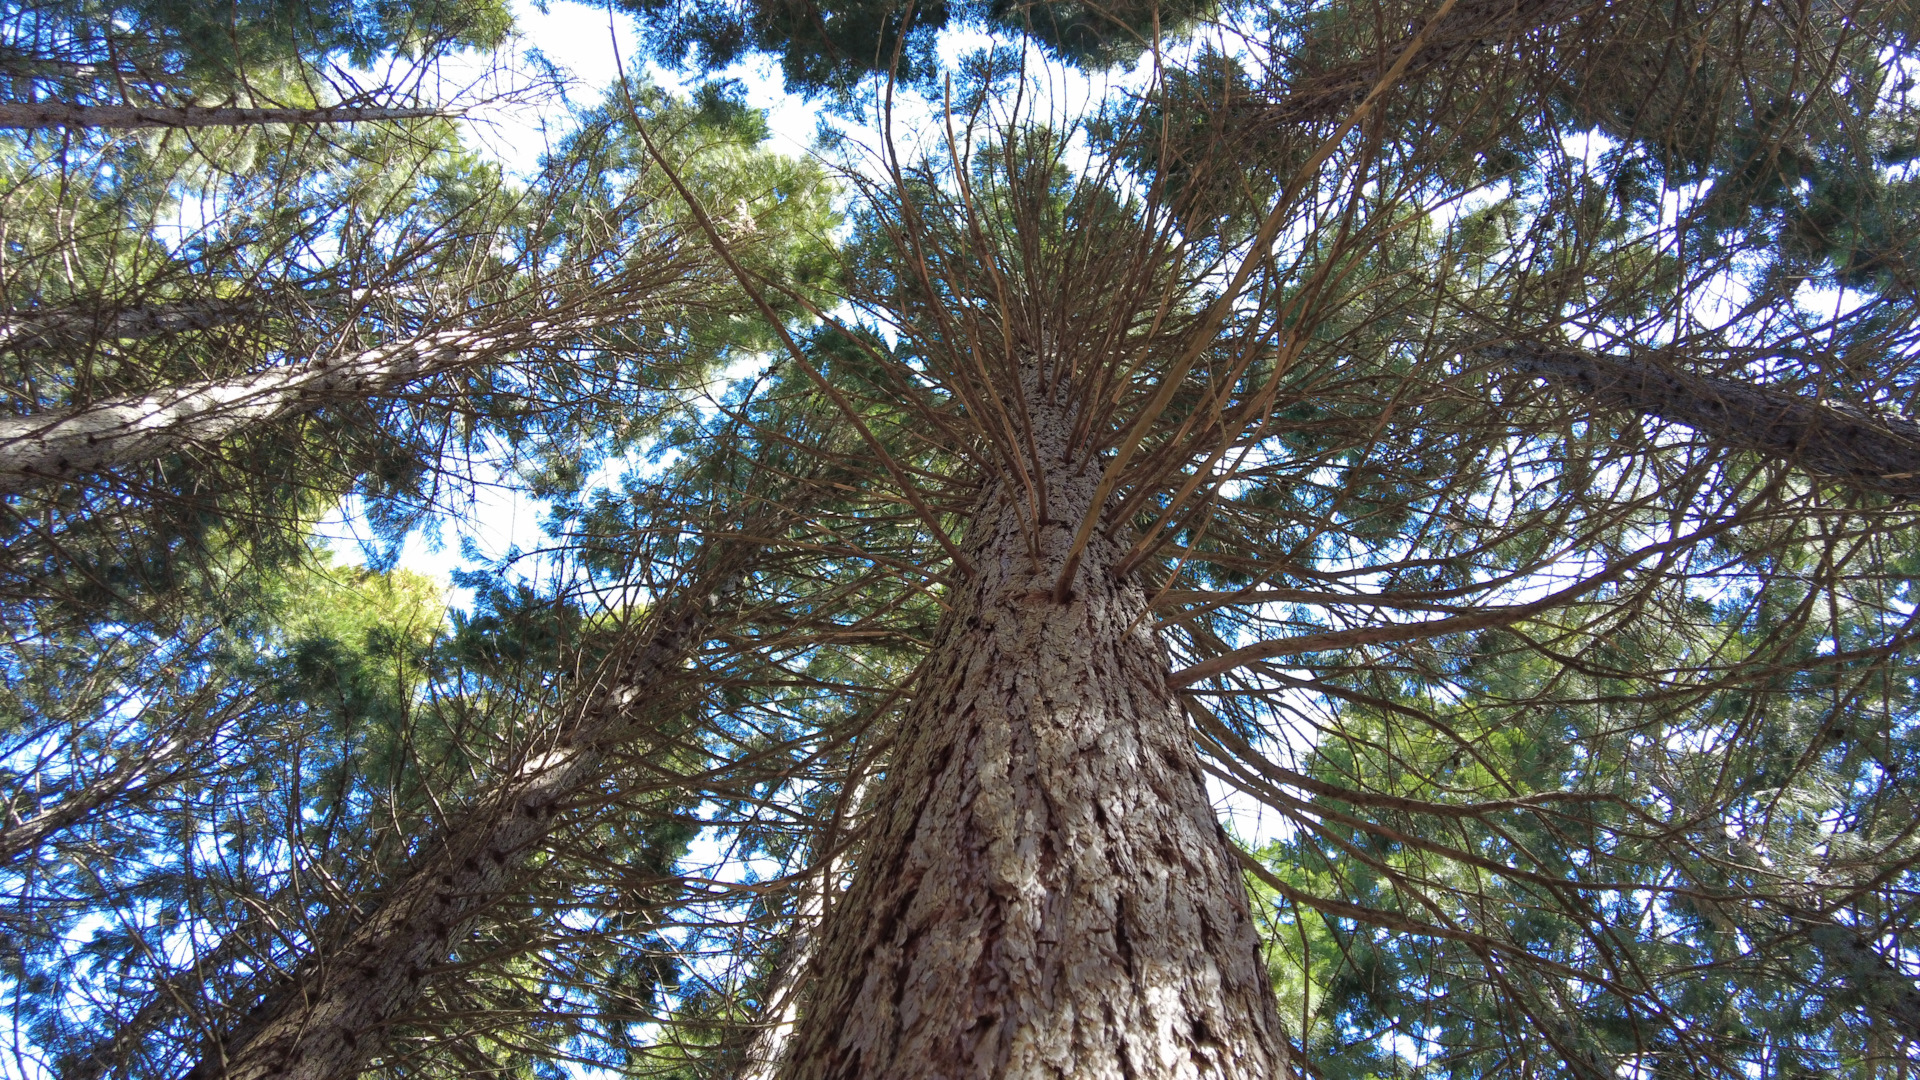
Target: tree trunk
[769, 1044]
[47, 329]
[1044, 891]
[49, 449]
[1828, 440]
[50, 114]
[31, 818]
[330, 1020]
[780, 1011]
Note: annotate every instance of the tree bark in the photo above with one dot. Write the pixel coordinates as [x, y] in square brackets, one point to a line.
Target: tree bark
[46, 329]
[1825, 439]
[48, 449]
[52, 114]
[1044, 891]
[779, 1014]
[329, 1021]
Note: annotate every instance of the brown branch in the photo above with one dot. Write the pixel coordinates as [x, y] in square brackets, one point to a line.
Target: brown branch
[1398, 632]
[1830, 440]
[53, 114]
[1207, 329]
[749, 284]
[1407, 925]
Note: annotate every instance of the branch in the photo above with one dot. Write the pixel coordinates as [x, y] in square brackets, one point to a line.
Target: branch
[1829, 440]
[1467, 28]
[44, 329]
[53, 114]
[55, 448]
[1432, 628]
[1239, 750]
[1403, 924]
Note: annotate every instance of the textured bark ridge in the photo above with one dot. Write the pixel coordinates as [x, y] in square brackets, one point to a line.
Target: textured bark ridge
[1045, 891]
[1833, 441]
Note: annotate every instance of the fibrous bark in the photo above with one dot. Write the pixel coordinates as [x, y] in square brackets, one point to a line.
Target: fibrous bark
[1824, 439]
[57, 447]
[51, 114]
[330, 1019]
[1045, 891]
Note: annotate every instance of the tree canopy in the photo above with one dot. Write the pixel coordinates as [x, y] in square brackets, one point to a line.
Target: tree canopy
[1473, 446]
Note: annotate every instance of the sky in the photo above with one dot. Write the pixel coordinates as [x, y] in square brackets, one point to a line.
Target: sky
[592, 44]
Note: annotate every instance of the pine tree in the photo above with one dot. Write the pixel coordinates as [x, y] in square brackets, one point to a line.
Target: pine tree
[1475, 432]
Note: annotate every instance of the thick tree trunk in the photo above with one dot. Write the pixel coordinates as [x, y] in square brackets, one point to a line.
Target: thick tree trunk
[1828, 440]
[58, 447]
[769, 1045]
[330, 1020]
[1045, 891]
[50, 114]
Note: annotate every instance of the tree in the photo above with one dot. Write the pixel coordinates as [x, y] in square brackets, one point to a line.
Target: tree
[191, 386]
[1463, 428]
[1209, 402]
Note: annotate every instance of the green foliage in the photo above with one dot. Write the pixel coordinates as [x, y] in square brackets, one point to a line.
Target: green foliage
[214, 49]
[831, 48]
[1614, 917]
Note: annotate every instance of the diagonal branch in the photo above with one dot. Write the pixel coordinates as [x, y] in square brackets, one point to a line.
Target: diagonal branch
[48, 328]
[60, 446]
[54, 114]
[1829, 440]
